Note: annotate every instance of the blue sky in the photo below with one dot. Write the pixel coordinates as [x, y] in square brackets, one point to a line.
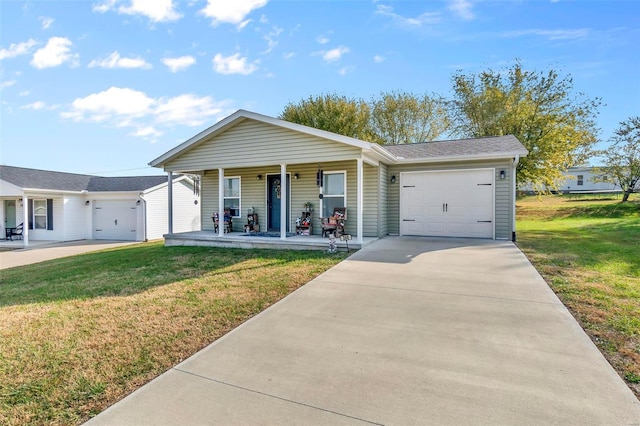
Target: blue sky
[106, 86]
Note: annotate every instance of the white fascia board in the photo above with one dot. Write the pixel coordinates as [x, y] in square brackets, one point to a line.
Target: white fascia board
[112, 194]
[53, 191]
[456, 158]
[242, 115]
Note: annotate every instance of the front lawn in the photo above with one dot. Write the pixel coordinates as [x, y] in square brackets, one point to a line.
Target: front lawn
[78, 334]
[589, 253]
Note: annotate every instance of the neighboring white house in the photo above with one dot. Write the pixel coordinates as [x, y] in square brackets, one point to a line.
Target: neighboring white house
[57, 206]
[582, 179]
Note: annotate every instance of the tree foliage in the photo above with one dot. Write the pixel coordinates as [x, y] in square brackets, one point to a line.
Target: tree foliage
[538, 108]
[333, 113]
[392, 118]
[622, 159]
[401, 118]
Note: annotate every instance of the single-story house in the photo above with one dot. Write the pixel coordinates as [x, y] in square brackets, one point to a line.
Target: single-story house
[57, 206]
[582, 179]
[252, 163]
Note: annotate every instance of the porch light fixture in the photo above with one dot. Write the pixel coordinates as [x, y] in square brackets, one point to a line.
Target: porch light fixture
[259, 177]
[86, 203]
[503, 174]
[296, 176]
[393, 179]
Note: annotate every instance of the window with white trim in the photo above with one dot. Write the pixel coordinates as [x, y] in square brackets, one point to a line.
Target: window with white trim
[580, 180]
[232, 196]
[334, 190]
[40, 214]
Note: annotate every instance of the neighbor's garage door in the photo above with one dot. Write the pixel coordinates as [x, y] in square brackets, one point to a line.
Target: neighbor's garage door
[447, 203]
[115, 220]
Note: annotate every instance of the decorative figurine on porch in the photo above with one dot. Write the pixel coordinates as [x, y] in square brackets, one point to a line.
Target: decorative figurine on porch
[332, 243]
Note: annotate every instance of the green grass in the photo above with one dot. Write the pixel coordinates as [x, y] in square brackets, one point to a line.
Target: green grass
[79, 333]
[589, 253]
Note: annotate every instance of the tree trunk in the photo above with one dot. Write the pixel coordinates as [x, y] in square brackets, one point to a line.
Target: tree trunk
[625, 196]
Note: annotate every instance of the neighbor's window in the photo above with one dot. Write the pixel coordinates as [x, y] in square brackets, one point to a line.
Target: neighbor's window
[580, 180]
[40, 214]
[605, 178]
[334, 191]
[232, 195]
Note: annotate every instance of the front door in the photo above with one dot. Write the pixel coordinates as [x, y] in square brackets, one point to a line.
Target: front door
[274, 195]
[9, 214]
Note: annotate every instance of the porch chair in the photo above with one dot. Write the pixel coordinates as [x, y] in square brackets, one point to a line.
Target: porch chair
[15, 232]
[334, 224]
[228, 223]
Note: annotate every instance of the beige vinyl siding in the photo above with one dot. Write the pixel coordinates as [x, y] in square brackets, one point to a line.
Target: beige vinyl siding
[371, 202]
[503, 202]
[251, 143]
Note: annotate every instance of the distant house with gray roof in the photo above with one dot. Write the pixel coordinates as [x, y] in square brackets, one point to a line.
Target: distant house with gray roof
[274, 168]
[59, 206]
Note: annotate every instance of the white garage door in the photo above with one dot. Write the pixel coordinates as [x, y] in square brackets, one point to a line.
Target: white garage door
[115, 220]
[448, 203]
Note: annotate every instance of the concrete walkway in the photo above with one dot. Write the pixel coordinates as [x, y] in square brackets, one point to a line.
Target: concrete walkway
[36, 252]
[406, 331]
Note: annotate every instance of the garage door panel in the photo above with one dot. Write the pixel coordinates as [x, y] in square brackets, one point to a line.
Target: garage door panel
[115, 220]
[448, 203]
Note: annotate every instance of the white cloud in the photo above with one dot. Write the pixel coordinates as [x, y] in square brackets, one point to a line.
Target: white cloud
[111, 103]
[146, 132]
[124, 107]
[7, 83]
[379, 59]
[179, 64]
[462, 8]
[345, 70]
[55, 53]
[334, 54]
[322, 39]
[155, 10]
[188, 110]
[234, 64]
[230, 12]
[272, 39]
[46, 22]
[114, 60]
[418, 21]
[24, 93]
[35, 106]
[288, 55]
[17, 49]
[550, 34]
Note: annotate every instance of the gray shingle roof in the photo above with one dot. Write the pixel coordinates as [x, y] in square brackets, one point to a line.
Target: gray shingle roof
[45, 179]
[458, 148]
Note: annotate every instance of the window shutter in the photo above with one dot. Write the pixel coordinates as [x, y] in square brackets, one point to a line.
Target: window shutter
[30, 202]
[50, 214]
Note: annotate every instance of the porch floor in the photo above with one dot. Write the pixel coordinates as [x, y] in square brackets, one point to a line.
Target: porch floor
[248, 241]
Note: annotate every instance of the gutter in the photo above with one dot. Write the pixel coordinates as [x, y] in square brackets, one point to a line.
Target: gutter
[516, 160]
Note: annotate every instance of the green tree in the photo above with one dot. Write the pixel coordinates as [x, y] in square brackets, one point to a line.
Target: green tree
[401, 118]
[622, 158]
[556, 126]
[333, 113]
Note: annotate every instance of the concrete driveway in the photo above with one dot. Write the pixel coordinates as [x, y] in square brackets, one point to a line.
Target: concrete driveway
[39, 252]
[406, 331]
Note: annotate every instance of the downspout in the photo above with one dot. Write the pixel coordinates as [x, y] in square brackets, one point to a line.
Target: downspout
[144, 216]
[516, 160]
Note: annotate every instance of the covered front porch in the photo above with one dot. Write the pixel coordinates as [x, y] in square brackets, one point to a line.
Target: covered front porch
[257, 241]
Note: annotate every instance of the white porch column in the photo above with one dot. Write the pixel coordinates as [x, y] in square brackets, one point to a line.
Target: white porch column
[221, 202]
[360, 210]
[170, 201]
[283, 201]
[25, 221]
